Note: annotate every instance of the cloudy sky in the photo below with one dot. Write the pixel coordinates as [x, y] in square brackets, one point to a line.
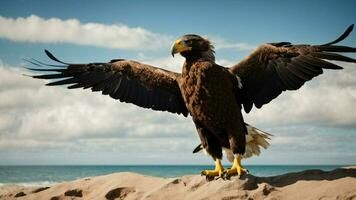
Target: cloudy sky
[48, 125]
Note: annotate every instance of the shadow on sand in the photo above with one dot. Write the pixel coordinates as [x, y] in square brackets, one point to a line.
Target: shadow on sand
[251, 182]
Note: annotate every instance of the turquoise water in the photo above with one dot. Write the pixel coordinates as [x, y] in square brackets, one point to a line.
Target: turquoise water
[44, 175]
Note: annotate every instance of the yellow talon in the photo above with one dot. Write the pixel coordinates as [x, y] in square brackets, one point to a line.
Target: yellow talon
[236, 168]
[218, 171]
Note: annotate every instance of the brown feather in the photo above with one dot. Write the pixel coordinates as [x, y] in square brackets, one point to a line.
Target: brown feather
[293, 65]
[209, 96]
[128, 81]
[332, 56]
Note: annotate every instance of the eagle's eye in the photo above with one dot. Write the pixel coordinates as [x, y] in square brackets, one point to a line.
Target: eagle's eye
[187, 42]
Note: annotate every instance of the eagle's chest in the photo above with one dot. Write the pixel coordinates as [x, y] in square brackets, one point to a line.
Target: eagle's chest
[205, 91]
[195, 87]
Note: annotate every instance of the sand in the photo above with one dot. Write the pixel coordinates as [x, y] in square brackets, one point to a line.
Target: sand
[310, 184]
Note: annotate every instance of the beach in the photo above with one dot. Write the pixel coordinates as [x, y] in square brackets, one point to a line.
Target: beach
[309, 184]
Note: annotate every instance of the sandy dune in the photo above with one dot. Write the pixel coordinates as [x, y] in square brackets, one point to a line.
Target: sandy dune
[310, 184]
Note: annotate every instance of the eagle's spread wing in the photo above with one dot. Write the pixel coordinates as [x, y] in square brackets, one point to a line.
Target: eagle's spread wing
[276, 67]
[128, 81]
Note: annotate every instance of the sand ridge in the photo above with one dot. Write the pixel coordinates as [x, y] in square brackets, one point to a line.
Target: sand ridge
[309, 184]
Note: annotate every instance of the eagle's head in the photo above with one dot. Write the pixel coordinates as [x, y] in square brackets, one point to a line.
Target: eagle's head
[193, 46]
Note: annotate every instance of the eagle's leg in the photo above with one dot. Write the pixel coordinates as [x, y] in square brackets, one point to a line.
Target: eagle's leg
[236, 167]
[218, 171]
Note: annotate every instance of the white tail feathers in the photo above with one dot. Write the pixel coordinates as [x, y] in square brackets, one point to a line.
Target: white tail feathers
[254, 140]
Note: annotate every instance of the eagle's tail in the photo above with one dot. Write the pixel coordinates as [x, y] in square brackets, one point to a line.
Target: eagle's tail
[255, 139]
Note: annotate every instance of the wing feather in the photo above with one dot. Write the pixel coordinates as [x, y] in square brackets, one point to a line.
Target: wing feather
[276, 67]
[125, 80]
[332, 56]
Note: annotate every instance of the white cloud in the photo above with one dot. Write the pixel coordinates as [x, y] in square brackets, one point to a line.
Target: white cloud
[221, 43]
[54, 30]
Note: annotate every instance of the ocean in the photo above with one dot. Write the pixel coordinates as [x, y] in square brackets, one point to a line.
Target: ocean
[47, 175]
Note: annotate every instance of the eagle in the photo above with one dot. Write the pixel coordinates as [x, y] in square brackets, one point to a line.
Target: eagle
[213, 95]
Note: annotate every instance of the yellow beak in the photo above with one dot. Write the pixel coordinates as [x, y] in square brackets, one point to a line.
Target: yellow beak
[179, 46]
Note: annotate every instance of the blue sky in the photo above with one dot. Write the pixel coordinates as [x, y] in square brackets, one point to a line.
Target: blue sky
[254, 22]
[42, 125]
